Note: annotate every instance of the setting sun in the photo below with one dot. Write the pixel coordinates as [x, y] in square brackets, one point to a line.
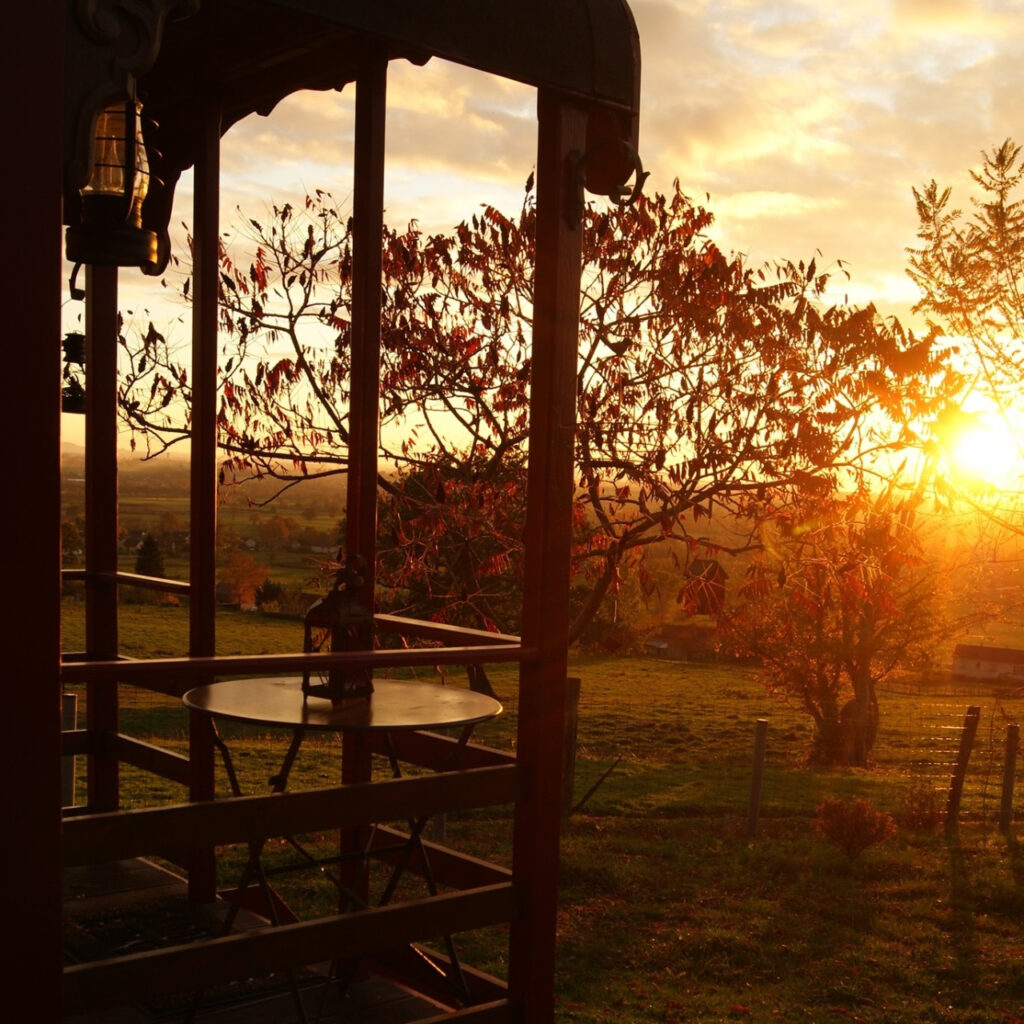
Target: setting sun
[985, 451]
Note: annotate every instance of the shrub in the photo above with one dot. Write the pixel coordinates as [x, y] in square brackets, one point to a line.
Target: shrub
[150, 559]
[921, 809]
[282, 599]
[240, 576]
[853, 825]
[269, 592]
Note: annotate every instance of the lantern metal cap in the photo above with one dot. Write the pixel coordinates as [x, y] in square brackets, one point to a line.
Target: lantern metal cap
[107, 245]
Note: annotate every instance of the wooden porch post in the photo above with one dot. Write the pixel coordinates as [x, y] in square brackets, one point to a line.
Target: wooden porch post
[30, 732]
[542, 688]
[367, 231]
[203, 512]
[364, 397]
[203, 470]
[101, 641]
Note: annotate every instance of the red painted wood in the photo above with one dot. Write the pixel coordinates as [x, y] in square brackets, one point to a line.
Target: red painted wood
[542, 703]
[191, 671]
[542, 652]
[203, 519]
[174, 828]
[101, 331]
[203, 472]
[31, 725]
[361, 511]
[367, 230]
[439, 631]
[185, 968]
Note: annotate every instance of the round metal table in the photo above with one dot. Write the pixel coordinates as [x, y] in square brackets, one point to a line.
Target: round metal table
[393, 706]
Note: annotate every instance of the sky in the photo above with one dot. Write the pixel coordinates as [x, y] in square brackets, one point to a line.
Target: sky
[801, 125]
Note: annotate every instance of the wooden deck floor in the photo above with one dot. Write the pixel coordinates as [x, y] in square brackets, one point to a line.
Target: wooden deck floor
[133, 905]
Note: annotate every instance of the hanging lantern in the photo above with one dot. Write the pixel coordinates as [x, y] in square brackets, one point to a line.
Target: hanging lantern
[338, 622]
[110, 232]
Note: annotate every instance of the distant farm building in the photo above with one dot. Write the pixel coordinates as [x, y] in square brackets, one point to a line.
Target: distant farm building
[978, 661]
[683, 641]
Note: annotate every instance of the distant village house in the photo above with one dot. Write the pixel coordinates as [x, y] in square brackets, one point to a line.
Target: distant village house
[978, 661]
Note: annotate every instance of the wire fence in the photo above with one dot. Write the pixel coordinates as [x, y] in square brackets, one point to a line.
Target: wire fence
[964, 744]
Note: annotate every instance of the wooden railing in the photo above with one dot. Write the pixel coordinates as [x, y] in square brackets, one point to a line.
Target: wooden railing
[174, 830]
[485, 895]
[487, 777]
[200, 965]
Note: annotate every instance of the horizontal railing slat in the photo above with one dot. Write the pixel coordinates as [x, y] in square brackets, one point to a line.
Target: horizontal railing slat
[440, 630]
[160, 830]
[200, 965]
[164, 763]
[188, 670]
[78, 741]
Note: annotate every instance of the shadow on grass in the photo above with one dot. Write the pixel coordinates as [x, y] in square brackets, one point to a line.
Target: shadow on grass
[675, 903]
[962, 926]
[1015, 858]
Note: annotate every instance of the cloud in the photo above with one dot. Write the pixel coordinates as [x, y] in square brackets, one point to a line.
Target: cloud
[455, 138]
[808, 124]
[945, 16]
[765, 205]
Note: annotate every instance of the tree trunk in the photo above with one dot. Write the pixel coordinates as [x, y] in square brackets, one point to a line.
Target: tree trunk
[846, 735]
[828, 741]
[859, 727]
[595, 598]
[828, 731]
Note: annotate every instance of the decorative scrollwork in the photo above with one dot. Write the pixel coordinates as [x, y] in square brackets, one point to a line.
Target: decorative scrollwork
[133, 28]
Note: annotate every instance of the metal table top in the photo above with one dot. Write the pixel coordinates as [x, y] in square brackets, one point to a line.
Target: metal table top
[277, 701]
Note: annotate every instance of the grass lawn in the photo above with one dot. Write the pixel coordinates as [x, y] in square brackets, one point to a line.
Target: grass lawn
[670, 910]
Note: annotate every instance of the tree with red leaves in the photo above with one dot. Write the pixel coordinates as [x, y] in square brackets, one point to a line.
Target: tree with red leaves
[841, 595]
[705, 386]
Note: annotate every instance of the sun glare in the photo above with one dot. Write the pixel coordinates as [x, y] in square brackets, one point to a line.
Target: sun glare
[986, 452]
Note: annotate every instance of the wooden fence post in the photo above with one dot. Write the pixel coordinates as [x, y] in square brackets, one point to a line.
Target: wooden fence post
[1009, 769]
[572, 718]
[956, 785]
[760, 745]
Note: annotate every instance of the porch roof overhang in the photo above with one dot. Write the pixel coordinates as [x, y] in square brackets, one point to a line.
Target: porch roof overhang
[251, 54]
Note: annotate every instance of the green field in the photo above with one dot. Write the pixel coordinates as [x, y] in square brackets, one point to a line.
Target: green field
[670, 910]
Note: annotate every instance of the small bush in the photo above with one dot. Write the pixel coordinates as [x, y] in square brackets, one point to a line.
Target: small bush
[149, 561]
[281, 599]
[921, 809]
[853, 825]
